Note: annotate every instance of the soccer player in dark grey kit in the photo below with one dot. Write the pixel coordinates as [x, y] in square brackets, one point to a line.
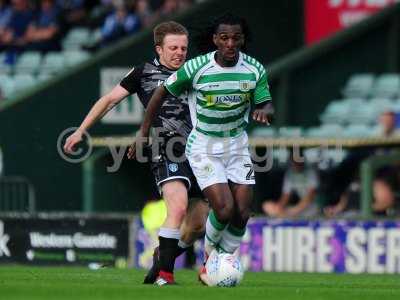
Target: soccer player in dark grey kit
[174, 178]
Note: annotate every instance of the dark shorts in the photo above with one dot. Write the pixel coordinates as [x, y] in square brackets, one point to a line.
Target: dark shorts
[165, 170]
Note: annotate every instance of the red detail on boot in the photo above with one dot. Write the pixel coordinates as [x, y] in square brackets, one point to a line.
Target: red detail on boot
[167, 276]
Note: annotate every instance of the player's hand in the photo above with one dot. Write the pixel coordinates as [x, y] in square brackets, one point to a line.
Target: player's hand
[138, 144]
[263, 113]
[72, 141]
[261, 116]
[272, 209]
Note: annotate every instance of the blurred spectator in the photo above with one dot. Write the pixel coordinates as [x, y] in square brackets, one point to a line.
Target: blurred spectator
[100, 12]
[185, 4]
[13, 37]
[387, 124]
[119, 24]
[385, 186]
[168, 7]
[348, 204]
[145, 13]
[386, 181]
[299, 192]
[5, 15]
[73, 12]
[42, 34]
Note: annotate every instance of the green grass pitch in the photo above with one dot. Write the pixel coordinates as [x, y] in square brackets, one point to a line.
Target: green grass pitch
[31, 283]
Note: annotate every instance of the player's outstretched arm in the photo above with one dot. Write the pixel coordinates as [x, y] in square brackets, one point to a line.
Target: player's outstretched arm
[98, 110]
[154, 105]
[264, 112]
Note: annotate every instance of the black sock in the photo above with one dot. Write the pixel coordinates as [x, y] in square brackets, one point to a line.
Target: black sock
[179, 251]
[168, 248]
[190, 261]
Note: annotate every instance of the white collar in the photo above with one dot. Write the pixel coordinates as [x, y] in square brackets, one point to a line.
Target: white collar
[214, 62]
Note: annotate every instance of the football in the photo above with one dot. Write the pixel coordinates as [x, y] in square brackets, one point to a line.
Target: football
[223, 270]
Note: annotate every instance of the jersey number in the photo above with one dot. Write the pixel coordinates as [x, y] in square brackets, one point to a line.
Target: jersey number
[250, 174]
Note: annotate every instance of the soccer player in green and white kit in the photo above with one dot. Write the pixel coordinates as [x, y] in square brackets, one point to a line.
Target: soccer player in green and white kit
[223, 85]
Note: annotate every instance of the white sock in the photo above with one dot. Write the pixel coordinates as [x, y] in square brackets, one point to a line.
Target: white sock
[214, 230]
[231, 239]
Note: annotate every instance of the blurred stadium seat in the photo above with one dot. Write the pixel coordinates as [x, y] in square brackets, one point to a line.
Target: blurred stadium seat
[267, 132]
[359, 85]
[290, 132]
[95, 36]
[4, 68]
[75, 57]
[28, 62]
[381, 104]
[363, 114]
[43, 76]
[335, 113]
[325, 131]
[387, 86]
[76, 38]
[23, 81]
[53, 62]
[358, 131]
[395, 105]
[7, 85]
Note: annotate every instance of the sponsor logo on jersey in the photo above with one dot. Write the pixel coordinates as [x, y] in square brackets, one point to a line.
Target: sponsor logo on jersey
[228, 99]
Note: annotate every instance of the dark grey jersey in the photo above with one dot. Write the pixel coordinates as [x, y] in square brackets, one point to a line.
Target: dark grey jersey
[174, 115]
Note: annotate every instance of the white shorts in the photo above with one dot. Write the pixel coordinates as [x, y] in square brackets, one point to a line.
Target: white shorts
[219, 160]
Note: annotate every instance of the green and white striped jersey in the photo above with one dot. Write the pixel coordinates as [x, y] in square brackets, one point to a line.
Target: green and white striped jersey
[220, 96]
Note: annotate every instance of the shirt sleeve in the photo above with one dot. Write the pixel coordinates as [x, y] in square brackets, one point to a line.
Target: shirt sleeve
[179, 81]
[261, 93]
[131, 81]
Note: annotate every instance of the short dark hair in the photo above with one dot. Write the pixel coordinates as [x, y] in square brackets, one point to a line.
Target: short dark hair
[229, 19]
[204, 39]
[164, 28]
